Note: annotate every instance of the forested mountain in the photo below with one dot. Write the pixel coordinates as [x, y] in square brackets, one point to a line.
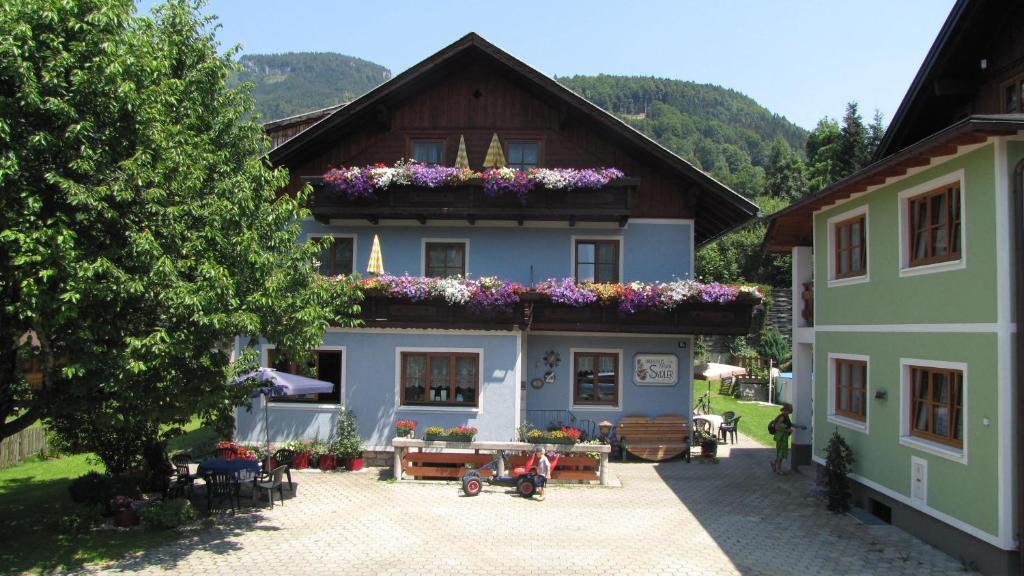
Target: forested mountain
[723, 131]
[297, 82]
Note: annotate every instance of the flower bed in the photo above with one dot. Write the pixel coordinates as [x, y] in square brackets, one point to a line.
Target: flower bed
[362, 183]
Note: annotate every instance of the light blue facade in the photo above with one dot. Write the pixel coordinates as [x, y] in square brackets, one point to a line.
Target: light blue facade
[633, 399]
[651, 252]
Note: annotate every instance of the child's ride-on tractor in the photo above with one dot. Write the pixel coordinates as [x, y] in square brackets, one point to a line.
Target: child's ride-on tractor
[524, 478]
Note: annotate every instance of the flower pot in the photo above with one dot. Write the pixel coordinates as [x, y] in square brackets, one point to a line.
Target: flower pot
[354, 464]
[405, 433]
[436, 437]
[301, 461]
[708, 448]
[459, 438]
[126, 518]
[328, 462]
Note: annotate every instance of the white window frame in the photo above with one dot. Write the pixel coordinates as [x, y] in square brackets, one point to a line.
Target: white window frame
[572, 379]
[923, 444]
[423, 251]
[572, 249]
[312, 236]
[904, 249]
[838, 419]
[832, 264]
[265, 362]
[399, 407]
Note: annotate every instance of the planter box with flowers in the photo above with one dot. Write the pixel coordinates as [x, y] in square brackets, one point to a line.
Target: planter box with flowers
[125, 511]
[457, 434]
[564, 435]
[412, 189]
[302, 449]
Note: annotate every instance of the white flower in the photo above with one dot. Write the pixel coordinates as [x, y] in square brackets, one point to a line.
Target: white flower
[453, 290]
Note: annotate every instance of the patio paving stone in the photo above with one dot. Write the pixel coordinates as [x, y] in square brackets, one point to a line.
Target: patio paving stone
[672, 518]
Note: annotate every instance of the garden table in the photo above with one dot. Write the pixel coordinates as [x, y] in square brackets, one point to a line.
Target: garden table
[236, 467]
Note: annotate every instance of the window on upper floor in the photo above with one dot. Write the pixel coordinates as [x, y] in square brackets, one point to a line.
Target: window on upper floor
[849, 242]
[934, 226]
[444, 259]
[523, 154]
[440, 379]
[936, 404]
[338, 258]
[324, 365]
[597, 260]
[428, 151]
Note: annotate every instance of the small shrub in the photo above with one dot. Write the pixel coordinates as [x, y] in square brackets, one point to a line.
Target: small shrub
[346, 443]
[79, 522]
[95, 489]
[838, 458]
[168, 514]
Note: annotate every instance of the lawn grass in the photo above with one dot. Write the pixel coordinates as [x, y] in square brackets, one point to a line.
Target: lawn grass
[755, 416]
[34, 497]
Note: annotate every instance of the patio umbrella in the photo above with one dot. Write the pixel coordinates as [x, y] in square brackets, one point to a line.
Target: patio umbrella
[462, 159]
[715, 371]
[495, 157]
[376, 264]
[276, 383]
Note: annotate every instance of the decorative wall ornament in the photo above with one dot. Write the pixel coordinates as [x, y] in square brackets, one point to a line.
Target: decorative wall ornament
[552, 358]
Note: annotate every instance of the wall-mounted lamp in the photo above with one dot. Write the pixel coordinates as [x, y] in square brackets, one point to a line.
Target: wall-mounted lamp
[881, 394]
[605, 428]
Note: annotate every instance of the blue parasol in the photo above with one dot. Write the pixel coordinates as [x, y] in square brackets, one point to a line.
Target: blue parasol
[276, 383]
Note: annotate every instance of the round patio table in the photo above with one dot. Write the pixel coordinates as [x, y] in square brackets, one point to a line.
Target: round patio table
[235, 467]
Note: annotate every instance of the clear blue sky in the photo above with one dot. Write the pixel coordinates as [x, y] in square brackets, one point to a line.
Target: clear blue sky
[801, 59]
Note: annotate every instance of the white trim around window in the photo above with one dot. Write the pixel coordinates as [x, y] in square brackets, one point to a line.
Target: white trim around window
[839, 420]
[903, 198]
[831, 228]
[620, 376]
[399, 407]
[922, 444]
[572, 251]
[265, 362]
[423, 251]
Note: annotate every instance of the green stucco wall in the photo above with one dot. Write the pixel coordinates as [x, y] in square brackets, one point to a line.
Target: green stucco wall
[969, 491]
[957, 296]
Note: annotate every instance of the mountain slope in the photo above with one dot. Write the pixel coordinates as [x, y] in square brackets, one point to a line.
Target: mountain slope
[297, 82]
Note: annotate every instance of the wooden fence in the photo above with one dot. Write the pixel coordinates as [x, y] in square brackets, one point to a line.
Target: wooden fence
[22, 445]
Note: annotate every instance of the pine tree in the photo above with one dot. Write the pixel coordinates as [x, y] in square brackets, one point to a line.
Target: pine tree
[822, 149]
[852, 151]
[838, 459]
[876, 131]
[785, 176]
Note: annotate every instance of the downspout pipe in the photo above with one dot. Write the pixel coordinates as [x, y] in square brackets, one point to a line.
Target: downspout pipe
[1018, 225]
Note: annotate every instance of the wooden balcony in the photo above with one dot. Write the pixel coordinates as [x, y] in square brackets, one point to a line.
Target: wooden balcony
[611, 203]
[537, 315]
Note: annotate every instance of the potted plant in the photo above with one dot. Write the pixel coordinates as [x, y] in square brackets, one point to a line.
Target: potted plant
[124, 511]
[405, 428]
[708, 445]
[435, 433]
[461, 433]
[320, 456]
[301, 449]
[347, 445]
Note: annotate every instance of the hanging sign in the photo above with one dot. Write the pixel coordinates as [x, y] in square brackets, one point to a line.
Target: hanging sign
[655, 370]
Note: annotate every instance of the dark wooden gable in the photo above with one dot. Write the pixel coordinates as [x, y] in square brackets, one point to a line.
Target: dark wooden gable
[474, 90]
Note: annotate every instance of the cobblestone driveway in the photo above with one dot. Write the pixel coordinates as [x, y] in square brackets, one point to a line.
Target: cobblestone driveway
[673, 518]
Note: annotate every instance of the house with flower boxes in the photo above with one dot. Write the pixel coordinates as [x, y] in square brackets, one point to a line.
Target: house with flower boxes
[910, 273]
[532, 259]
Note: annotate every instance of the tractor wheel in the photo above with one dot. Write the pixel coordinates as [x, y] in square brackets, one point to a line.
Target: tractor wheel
[526, 488]
[472, 486]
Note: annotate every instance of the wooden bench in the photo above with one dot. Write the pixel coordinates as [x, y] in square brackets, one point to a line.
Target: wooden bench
[660, 438]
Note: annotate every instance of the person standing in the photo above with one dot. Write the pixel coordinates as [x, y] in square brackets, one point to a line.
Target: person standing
[543, 466]
[782, 428]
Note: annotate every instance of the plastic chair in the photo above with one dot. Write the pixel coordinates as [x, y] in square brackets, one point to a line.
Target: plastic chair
[219, 487]
[183, 481]
[728, 415]
[284, 457]
[270, 481]
[729, 427]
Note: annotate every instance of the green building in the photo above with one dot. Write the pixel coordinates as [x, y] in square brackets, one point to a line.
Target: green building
[908, 272]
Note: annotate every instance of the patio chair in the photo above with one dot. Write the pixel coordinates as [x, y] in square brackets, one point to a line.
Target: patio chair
[270, 481]
[729, 427]
[728, 415]
[183, 481]
[220, 487]
[284, 458]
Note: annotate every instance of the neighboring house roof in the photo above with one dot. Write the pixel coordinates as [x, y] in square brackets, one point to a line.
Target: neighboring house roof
[304, 117]
[794, 225]
[944, 87]
[718, 210]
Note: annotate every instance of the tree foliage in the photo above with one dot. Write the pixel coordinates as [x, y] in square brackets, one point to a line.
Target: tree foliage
[838, 461]
[140, 229]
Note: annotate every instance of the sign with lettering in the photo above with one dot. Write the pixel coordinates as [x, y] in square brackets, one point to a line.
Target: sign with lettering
[655, 370]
